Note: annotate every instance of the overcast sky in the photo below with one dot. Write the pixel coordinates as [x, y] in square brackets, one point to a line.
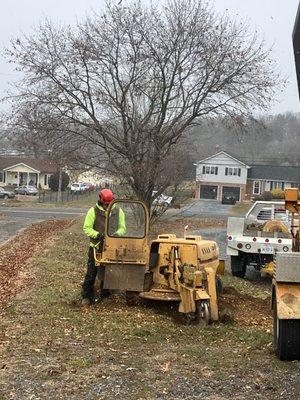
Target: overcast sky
[274, 19]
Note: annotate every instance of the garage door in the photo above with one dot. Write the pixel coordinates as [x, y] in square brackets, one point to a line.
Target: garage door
[234, 191]
[208, 192]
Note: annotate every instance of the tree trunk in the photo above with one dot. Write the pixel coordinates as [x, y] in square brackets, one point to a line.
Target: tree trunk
[59, 185]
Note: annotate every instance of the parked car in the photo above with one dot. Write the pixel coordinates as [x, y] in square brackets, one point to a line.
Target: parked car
[229, 198]
[27, 189]
[89, 186]
[162, 200]
[6, 194]
[78, 187]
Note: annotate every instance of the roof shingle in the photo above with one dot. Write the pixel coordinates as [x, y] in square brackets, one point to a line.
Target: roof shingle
[38, 164]
[275, 172]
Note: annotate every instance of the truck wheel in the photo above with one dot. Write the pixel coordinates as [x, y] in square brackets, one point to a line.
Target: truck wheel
[238, 267]
[286, 337]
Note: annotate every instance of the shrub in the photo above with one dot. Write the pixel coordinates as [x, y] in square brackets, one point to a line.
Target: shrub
[267, 196]
[278, 194]
[258, 197]
[53, 181]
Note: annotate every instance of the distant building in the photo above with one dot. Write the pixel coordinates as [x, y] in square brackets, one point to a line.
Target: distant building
[221, 174]
[17, 171]
[265, 178]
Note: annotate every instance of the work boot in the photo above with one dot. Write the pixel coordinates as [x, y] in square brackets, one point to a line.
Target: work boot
[85, 302]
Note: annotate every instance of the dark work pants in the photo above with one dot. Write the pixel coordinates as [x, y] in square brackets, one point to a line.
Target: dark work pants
[90, 276]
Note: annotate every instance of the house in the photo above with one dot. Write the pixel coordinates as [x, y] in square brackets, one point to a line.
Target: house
[265, 178]
[17, 171]
[221, 173]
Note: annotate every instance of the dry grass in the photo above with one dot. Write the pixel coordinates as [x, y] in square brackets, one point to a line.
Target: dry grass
[52, 348]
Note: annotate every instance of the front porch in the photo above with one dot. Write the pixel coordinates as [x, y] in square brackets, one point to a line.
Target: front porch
[20, 175]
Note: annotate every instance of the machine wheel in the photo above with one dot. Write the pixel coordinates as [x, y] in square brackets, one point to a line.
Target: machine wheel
[131, 298]
[201, 316]
[101, 293]
[219, 286]
[203, 312]
[190, 318]
[286, 337]
[238, 267]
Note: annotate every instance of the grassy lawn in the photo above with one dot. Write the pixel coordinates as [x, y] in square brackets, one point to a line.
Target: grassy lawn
[240, 209]
[79, 202]
[51, 347]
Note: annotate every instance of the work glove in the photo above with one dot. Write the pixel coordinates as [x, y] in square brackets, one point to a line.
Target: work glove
[100, 237]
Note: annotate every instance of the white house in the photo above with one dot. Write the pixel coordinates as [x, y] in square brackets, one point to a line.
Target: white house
[220, 174]
[17, 171]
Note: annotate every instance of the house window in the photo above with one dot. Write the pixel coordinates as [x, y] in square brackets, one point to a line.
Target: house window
[277, 185]
[256, 187]
[1, 177]
[45, 180]
[232, 171]
[212, 170]
[237, 171]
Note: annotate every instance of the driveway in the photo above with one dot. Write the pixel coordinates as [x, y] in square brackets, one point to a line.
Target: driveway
[216, 234]
[203, 208]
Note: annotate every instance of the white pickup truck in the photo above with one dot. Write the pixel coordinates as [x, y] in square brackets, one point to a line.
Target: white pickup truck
[249, 243]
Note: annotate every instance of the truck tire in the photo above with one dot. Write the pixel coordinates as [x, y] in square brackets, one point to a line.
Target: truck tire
[238, 267]
[286, 337]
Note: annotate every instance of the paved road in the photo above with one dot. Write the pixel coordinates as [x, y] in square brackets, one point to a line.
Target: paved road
[15, 218]
[44, 213]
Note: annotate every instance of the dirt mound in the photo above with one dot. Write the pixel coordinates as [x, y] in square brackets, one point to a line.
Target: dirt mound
[17, 251]
[246, 310]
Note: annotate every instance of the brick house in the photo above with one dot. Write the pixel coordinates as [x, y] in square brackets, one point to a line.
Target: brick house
[17, 171]
[221, 173]
[265, 178]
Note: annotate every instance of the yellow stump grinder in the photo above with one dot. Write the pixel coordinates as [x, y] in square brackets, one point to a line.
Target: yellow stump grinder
[183, 270]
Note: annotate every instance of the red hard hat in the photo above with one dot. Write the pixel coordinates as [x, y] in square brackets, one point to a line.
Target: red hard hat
[106, 196]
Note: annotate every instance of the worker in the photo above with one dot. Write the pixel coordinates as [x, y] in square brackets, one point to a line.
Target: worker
[94, 227]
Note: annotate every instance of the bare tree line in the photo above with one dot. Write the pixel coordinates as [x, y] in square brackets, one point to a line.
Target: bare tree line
[269, 140]
[127, 85]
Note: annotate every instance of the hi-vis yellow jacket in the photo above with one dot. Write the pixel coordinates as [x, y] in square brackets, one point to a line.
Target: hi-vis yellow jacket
[94, 223]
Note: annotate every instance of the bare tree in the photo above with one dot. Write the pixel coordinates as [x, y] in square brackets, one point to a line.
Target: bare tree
[136, 77]
[35, 131]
